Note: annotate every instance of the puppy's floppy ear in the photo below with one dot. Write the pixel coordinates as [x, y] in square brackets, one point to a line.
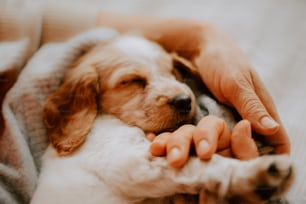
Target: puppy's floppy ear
[70, 112]
[184, 69]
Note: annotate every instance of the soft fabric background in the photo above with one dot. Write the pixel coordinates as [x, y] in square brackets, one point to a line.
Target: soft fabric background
[273, 35]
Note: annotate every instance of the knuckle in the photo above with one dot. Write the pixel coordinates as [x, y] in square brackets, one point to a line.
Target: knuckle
[188, 127]
[211, 119]
[216, 121]
[183, 131]
[211, 128]
[251, 107]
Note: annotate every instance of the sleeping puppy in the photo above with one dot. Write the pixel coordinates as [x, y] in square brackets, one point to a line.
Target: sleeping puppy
[97, 121]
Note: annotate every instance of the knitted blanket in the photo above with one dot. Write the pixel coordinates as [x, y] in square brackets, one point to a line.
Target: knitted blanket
[24, 138]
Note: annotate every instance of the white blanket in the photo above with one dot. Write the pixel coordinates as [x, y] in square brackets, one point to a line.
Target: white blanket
[24, 139]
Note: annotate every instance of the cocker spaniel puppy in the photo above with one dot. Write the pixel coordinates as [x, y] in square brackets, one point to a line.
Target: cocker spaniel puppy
[97, 121]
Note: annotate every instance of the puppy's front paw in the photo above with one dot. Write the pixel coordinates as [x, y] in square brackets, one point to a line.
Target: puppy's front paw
[264, 178]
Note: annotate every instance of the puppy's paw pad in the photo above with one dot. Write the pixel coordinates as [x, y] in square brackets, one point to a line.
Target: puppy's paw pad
[265, 192]
[273, 170]
[279, 170]
[276, 177]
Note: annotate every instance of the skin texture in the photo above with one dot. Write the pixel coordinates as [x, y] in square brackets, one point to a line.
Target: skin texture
[229, 76]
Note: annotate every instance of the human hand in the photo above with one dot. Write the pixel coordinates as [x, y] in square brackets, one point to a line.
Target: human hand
[210, 135]
[227, 73]
[240, 86]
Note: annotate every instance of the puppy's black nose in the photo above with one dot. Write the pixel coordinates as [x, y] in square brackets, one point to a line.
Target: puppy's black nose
[181, 103]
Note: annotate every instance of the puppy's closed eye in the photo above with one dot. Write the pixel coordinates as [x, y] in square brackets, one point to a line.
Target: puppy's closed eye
[133, 80]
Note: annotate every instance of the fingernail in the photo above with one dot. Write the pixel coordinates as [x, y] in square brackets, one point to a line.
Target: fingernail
[203, 147]
[174, 154]
[268, 123]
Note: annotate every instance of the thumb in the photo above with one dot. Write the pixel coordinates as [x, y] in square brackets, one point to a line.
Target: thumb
[251, 108]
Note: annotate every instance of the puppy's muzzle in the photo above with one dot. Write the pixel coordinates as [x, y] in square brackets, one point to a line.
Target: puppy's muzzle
[181, 103]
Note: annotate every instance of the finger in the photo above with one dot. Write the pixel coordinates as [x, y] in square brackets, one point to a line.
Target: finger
[250, 107]
[279, 140]
[242, 143]
[150, 136]
[178, 145]
[210, 134]
[225, 152]
[158, 146]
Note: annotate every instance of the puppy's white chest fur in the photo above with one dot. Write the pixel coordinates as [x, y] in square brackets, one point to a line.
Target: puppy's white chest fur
[115, 166]
[86, 178]
[110, 167]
